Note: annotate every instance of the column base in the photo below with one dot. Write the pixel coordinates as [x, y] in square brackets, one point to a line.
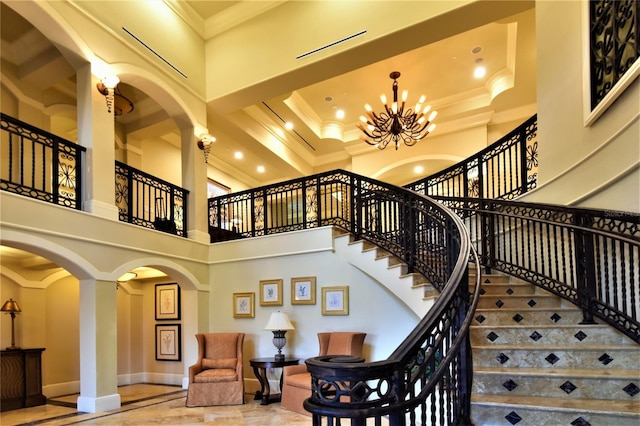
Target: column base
[99, 404]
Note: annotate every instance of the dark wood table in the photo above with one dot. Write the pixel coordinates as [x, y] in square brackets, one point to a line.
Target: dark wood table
[260, 366]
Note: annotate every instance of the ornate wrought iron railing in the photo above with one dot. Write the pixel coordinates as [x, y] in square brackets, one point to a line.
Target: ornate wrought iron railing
[614, 43]
[506, 169]
[588, 257]
[145, 200]
[429, 375]
[40, 165]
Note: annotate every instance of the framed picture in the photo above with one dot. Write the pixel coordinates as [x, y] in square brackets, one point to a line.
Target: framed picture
[243, 304]
[303, 291]
[335, 300]
[167, 301]
[271, 293]
[168, 342]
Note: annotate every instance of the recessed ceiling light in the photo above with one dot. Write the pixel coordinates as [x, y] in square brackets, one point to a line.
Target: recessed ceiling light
[418, 169]
[339, 113]
[260, 169]
[238, 155]
[288, 125]
[476, 50]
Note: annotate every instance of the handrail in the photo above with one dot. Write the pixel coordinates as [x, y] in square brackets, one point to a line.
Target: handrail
[586, 256]
[434, 362]
[505, 169]
[38, 164]
[145, 200]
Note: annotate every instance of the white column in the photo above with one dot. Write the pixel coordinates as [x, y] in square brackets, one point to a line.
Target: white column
[96, 132]
[194, 179]
[98, 347]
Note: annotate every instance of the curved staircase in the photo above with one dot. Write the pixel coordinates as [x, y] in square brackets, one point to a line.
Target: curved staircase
[535, 364]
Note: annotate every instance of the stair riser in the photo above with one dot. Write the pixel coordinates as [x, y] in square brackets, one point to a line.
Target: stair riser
[493, 415]
[515, 302]
[561, 335]
[506, 289]
[605, 388]
[527, 317]
[613, 358]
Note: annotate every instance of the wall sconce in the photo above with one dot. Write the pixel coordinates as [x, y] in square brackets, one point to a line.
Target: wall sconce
[279, 324]
[107, 87]
[204, 143]
[12, 308]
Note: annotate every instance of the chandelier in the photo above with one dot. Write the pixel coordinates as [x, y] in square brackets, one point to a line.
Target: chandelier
[396, 124]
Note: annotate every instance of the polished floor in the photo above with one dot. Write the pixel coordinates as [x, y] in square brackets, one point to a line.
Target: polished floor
[145, 404]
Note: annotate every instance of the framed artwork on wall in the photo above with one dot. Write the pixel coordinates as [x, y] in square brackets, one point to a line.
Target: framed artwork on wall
[167, 301]
[243, 305]
[303, 291]
[271, 293]
[335, 300]
[168, 341]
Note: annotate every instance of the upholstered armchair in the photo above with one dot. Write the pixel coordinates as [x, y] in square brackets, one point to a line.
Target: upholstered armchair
[296, 380]
[216, 378]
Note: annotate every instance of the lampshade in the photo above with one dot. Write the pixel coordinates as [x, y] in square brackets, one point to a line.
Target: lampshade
[10, 306]
[279, 321]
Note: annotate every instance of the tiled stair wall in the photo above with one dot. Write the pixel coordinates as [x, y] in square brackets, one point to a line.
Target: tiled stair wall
[535, 364]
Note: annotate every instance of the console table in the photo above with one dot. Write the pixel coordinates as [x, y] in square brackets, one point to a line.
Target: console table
[21, 378]
[260, 366]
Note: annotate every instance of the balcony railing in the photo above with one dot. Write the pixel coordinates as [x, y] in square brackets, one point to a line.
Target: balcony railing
[148, 201]
[37, 164]
[506, 169]
[429, 374]
[40, 165]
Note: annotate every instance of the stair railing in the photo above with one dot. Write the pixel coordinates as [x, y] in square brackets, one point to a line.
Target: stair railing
[504, 170]
[586, 256]
[429, 374]
[38, 164]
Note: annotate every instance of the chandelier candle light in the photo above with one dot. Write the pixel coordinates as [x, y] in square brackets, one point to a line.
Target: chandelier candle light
[279, 324]
[395, 123]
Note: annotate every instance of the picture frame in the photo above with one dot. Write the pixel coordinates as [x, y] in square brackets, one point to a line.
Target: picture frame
[167, 301]
[303, 291]
[271, 293]
[243, 305]
[168, 342]
[335, 300]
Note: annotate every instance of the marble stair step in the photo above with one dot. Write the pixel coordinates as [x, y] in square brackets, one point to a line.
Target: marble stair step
[542, 411]
[490, 301]
[576, 334]
[558, 383]
[506, 289]
[491, 278]
[604, 358]
[524, 316]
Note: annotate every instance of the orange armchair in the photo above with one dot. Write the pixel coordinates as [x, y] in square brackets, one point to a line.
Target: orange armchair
[216, 378]
[296, 380]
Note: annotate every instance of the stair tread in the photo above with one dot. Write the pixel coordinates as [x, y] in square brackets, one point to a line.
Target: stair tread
[542, 326]
[604, 347]
[593, 405]
[560, 372]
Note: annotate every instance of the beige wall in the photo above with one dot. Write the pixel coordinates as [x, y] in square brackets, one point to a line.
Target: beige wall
[594, 165]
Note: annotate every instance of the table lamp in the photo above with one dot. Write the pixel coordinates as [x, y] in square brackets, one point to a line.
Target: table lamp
[11, 307]
[279, 324]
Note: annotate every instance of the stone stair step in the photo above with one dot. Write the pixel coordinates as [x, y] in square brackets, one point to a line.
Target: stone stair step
[505, 289]
[605, 358]
[489, 301]
[558, 383]
[522, 316]
[491, 278]
[577, 334]
[497, 410]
